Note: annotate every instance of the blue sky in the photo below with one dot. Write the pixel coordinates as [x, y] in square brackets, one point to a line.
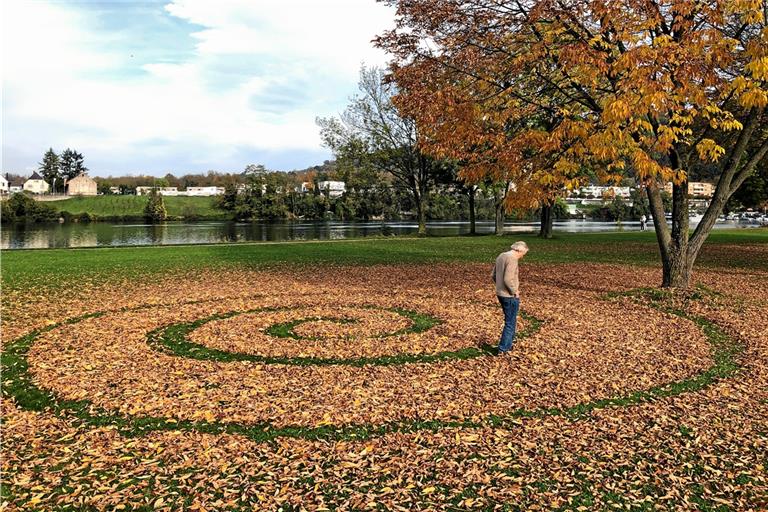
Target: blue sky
[180, 85]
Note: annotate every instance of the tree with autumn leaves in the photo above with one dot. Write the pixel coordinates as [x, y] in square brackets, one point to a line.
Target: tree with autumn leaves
[543, 93]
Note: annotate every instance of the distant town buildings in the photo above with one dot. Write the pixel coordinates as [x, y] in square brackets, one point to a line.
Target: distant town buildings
[696, 189]
[14, 184]
[699, 189]
[203, 191]
[334, 188]
[190, 191]
[163, 191]
[81, 185]
[596, 196]
[598, 192]
[85, 185]
[36, 184]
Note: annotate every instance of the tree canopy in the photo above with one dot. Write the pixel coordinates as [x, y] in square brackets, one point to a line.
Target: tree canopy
[373, 133]
[540, 91]
[50, 167]
[71, 164]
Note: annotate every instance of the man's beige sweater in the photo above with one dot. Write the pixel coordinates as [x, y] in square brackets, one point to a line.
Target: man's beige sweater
[505, 274]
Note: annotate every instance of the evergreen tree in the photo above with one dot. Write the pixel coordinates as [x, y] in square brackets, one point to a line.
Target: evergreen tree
[71, 164]
[155, 209]
[50, 167]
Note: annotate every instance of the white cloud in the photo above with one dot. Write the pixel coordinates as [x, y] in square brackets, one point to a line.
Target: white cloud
[336, 32]
[69, 83]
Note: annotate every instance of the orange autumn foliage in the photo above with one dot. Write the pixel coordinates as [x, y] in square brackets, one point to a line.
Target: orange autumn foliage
[541, 91]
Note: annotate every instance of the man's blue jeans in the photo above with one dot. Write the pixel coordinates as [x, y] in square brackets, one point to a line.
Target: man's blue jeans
[510, 306]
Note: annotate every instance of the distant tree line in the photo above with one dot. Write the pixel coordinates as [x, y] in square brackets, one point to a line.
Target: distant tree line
[128, 184]
[369, 195]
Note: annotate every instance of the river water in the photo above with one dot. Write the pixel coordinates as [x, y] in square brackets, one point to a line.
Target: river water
[102, 234]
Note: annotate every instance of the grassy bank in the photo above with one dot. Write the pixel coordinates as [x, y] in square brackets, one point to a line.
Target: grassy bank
[24, 268]
[132, 207]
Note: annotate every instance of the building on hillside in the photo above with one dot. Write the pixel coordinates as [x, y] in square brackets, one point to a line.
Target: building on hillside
[695, 189]
[598, 192]
[15, 185]
[36, 184]
[334, 188]
[203, 191]
[81, 185]
[114, 190]
[163, 191]
[5, 187]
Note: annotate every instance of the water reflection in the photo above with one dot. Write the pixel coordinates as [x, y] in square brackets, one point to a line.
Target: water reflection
[37, 236]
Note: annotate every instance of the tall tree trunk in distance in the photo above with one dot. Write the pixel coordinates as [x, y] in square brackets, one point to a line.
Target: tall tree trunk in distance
[471, 193]
[419, 177]
[421, 211]
[545, 231]
[422, 218]
[415, 185]
[499, 203]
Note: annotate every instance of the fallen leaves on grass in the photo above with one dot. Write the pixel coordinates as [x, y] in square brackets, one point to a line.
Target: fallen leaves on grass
[582, 353]
[696, 450]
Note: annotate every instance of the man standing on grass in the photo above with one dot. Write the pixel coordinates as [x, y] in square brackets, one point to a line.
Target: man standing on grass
[508, 291]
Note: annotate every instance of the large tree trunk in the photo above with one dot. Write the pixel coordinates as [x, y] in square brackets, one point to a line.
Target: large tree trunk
[676, 259]
[472, 191]
[677, 270]
[545, 231]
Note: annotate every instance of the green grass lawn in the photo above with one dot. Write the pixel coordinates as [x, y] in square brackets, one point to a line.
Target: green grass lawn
[133, 206]
[657, 446]
[51, 267]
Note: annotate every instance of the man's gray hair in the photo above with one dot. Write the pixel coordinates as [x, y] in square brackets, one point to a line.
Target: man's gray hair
[520, 246]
